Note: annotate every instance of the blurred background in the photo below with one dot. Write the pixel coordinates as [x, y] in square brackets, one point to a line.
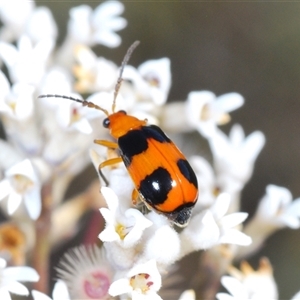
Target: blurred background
[249, 48]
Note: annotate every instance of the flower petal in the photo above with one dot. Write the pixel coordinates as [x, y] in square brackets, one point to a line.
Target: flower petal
[234, 286]
[230, 101]
[33, 203]
[224, 296]
[14, 201]
[188, 295]
[119, 287]
[220, 207]
[40, 296]
[140, 224]
[253, 145]
[8, 53]
[233, 220]
[107, 10]
[5, 87]
[22, 273]
[236, 237]
[60, 291]
[4, 294]
[109, 234]
[17, 288]
[296, 296]
[156, 248]
[110, 198]
[5, 188]
[83, 126]
[107, 215]
[202, 232]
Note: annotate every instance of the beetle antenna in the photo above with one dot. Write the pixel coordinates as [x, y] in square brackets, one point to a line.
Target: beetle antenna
[120, 79]
[83, 102]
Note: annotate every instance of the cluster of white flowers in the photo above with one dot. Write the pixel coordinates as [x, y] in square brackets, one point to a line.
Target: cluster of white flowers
[49, 141]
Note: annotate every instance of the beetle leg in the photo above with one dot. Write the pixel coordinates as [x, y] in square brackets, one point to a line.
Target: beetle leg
[137, 200]
[108, 162]
[108, 144]
[135, 197]
[112, 161]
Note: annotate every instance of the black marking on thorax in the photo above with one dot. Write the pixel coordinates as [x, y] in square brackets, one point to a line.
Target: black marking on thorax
[135, 142]
[132, 143]
[154, 132]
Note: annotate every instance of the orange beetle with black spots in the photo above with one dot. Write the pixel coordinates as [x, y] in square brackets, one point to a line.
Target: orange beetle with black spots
[162, 176]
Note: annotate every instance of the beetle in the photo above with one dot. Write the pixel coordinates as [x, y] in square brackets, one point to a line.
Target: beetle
[162, 177]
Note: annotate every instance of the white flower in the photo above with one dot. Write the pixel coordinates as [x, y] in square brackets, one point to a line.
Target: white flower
[60, 292]
[97, 27]
[72, 115]
[213, 227]
[58, 81]
[26, 63]
[188, 295]
[86, 273]
[206, 182]
[234, 156]
[149, 84]
[296, 296]
[227, 223]
[141, 282]
[16, 102]
[8, 155]
[127, 227]
[21, 183]
[204, 111]
[14, 15]
[19, 119]
[5, 88]
[41, 25]
[236, 289]
[93, 73]
[10, 277]
[276, 210]
[157, 73]
[154, 244]
[105, 100]
[62, 124]
[71, 156]
[250, 284]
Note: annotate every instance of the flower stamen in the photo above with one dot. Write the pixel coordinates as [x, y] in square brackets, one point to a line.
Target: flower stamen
[205, 113]
[21, 183]
[75, 115]
[141, 282]
[121, 230]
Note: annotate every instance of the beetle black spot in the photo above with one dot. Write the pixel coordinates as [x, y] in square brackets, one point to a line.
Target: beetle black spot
[187, 171]
[156, 186]
[154, 132]
[132, 143]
